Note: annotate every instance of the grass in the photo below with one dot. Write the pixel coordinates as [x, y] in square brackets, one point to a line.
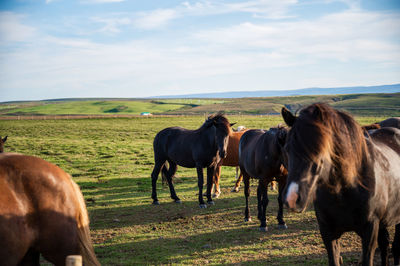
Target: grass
[112, 158]
[357, 104]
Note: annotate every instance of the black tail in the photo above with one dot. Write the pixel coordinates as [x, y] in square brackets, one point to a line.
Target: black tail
[164, 172]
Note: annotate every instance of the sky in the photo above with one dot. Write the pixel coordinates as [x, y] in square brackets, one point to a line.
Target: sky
[133, 48]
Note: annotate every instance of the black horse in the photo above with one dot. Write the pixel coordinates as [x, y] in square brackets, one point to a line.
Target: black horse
[353, 178]
[391, 122]
[200, 148]
[260, 157]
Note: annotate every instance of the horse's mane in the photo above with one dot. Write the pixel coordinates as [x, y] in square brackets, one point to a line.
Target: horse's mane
[218, 118]
[320, 129]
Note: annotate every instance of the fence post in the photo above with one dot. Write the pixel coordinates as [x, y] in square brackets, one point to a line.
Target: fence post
[73, 260]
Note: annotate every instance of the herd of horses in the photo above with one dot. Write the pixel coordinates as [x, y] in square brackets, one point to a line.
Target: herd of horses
[351, 173]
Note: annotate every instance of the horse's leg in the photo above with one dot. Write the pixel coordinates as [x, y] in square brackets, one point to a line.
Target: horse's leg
[369, 236]
[383, 243]
[217, 176]
[238, 181]
[396, 245]
[246, 180]
[169, 174]
[330, 239]
[281, 187]
[200, 182]
[262, 199]
[332, 246]
[154, 176]
[210, 176]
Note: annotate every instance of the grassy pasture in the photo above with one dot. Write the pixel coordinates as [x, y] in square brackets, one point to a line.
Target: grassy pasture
[357, 104]
[111, 159]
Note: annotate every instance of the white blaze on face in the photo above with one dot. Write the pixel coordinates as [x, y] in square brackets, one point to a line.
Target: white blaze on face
[292, 195]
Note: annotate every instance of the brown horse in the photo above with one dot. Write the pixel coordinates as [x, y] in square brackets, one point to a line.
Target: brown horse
[2, 141]
[231, 159]
[42, 211]
[353, 178]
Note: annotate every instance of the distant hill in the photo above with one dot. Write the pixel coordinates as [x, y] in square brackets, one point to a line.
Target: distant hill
[362, 104]
[309, 91]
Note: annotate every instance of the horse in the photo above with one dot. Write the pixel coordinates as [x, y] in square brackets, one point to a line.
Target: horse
[2, 141]
[391, 122]
[42, 211]
[260, 157]
[353, 179]
[231, 159]
[200, 148]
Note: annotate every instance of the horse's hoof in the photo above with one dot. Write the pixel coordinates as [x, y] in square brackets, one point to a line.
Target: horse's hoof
[203, 206]
[235, 189]
[263, 229]
[216, 195]
[247, 219]
[156, 202]
[211, 202]
[282, 226]
[178, 201]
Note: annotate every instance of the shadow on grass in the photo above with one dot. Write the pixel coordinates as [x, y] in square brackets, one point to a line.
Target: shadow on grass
[127, 201]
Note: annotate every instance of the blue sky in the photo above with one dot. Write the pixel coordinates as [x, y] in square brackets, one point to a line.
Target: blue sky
[131, 48]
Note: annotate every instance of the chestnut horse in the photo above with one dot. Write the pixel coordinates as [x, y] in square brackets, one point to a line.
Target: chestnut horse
[354, 179]
[42, 211]
[2, 141]
[260, 157]
[200, 148]
[231, 159]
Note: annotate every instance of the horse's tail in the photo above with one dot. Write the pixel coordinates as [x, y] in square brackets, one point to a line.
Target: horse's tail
[164, 172]
[82, 219]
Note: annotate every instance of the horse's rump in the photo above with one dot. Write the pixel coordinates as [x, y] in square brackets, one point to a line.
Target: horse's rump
[45, 209]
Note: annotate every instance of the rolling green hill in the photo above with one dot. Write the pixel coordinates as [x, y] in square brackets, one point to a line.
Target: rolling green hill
[379, 104]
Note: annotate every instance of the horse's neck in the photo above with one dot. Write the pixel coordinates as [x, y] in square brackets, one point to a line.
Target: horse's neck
[207, 133]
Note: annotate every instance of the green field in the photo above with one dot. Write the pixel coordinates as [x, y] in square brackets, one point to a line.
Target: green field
[112, 158]
[357, 104]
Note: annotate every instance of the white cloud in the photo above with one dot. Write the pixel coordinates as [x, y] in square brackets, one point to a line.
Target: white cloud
[112, 25]
[12, 29]
[155, 19]
[261, 8]
[248, 55]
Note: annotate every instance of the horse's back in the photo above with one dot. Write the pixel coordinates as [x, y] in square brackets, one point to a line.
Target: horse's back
[38, 207]
[232, 156]
[248, 147]
[391, 122]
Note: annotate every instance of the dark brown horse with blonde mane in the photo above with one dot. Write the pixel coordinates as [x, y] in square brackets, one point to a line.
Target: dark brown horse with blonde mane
[261, 157]
[42, 211]
[354, 179]
[200, 148]
[2, 141]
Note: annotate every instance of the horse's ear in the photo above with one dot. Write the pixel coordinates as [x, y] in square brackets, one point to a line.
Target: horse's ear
[288, 117]
[317, 112]
[5, 139]
[232, 124]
